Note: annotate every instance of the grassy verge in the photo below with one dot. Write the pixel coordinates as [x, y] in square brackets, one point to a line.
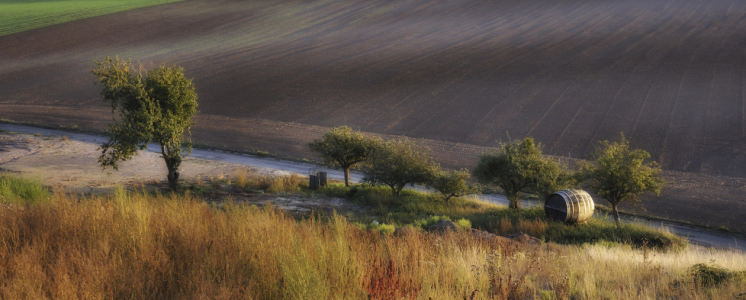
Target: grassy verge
[22, 15]
[413, 207]
[385, 212]
[605, 209]
[22, 191]
[138, 245]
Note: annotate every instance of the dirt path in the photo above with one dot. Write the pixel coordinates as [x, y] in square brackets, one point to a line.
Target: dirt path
[70, 160]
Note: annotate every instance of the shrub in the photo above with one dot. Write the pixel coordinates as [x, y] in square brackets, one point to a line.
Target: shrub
[452, 184]
[464, 223]
[382, 228]
[709, 276]
[399, 163]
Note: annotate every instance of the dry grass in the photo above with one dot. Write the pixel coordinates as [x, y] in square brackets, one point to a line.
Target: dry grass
[248, 179]
[133, 245]
[536, 227]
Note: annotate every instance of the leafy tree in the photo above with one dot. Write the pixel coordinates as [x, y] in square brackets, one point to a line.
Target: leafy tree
[344, 147]
[518, 167]
[398, 163]
[619, 174]
[153, 106]
[452, 184]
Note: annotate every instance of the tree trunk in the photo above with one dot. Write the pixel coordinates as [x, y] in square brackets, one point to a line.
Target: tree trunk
[616, 215]
[396, 190]
[513, 201]
[347, 176]
[173, 179]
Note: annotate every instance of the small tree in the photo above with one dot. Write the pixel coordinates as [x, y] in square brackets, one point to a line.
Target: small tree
[452, 184]
[154, 105]
[518, 167]
[344, 147]
[398, 163]
[619, 174]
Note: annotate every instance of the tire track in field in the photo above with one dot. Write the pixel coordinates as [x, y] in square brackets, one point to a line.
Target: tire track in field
[648, 129]
[415, 105]
[680, 133]
[482, 131]
[623, 29]
[720, 128]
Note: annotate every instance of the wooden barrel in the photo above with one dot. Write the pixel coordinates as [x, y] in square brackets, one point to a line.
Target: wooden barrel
[569, 206]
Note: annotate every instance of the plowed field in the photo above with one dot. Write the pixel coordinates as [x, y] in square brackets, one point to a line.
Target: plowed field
[667, 73]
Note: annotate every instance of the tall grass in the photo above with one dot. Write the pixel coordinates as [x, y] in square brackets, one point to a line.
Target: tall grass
[22, 190]
[135, 245]
[246, 179]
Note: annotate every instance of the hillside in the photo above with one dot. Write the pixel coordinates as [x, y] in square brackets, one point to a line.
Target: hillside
[667, 73]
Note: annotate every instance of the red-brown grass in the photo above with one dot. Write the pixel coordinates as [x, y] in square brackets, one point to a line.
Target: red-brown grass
[135, 245]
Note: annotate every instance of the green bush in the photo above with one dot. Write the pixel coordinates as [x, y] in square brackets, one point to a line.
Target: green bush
[381, 227]
[464, 223]
[22, 191]
[709, 276]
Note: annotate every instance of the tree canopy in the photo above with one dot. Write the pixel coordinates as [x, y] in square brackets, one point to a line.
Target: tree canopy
[619, 174]
[153, 105]
[518, 167]
[398, 163]
[343, 147]
[452, 184]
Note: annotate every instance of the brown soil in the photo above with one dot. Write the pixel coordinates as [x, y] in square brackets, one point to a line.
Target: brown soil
[273, 75]
[667, 73]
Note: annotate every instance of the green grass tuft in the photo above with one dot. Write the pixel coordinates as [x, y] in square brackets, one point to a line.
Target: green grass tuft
[22, 191]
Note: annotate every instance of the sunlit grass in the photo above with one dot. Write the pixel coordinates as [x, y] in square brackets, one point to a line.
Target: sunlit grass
[139, 245]
[22, 15]
[22, 191]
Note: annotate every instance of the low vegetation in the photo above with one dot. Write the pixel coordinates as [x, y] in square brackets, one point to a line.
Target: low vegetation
[141, 245]
[412, 206]
[17, 16]
[22, 191]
